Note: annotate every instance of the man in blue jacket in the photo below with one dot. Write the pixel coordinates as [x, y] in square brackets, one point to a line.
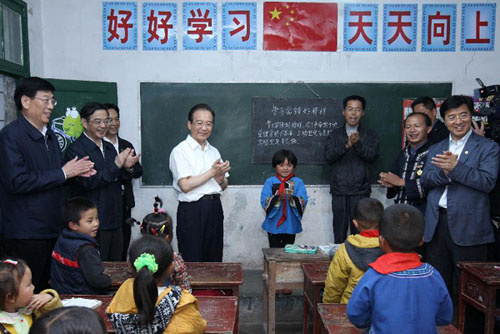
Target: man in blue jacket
[459, 174]
[31, 179]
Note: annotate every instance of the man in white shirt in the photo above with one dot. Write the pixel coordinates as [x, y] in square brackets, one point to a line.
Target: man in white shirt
[459, 174]
[199, 176]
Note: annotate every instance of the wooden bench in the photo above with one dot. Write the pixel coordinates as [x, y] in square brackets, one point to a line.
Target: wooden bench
[220, 312]
[314, 281]
[479, 282]
[282, 271]
[334, 320]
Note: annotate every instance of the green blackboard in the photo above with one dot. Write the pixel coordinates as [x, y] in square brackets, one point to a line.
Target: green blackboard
[164, 109]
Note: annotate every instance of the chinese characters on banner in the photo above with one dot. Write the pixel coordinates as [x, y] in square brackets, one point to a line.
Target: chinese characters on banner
[360, 27]
[159, 26]
[299, 26]
[119, 25]
[239, 26]
[438, 27]
[199, 20]
[400, 28]
[478, 27]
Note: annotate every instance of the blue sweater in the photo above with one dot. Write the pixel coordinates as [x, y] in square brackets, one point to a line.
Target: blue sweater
[295, 206]
[410, 301]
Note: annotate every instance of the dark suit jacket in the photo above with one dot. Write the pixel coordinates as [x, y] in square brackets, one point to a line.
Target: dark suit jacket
[438, 132]
[469, 184]
[103, 188]
[137, 172]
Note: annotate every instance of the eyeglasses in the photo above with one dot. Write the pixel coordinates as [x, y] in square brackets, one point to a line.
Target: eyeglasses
[463, 116]
[353, 109]
[47, 100]
[202, 124]
[99, 121]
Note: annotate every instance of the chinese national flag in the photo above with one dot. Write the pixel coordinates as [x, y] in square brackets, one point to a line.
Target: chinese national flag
[300, 26]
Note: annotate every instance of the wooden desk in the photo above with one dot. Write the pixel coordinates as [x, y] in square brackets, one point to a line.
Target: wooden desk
[220, 312]
[334, 320]
[314, 281]
[479, 282]
[105, 300]
[202, 275]
[282, 271]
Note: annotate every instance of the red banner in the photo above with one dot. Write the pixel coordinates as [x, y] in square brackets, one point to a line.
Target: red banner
[300, 26]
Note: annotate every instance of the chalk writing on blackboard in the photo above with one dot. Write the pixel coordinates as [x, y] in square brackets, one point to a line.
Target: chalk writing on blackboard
[298, 124]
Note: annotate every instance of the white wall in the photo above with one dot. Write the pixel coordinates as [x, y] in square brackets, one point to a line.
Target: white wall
[66, 43]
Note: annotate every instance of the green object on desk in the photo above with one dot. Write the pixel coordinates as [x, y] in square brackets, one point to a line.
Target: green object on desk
[301, 249]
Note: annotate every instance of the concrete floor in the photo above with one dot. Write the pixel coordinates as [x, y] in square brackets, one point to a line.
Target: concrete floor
[289, 309]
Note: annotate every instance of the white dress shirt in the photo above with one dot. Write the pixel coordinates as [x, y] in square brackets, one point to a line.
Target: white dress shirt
[115, 145]
[456, 147]
[188, 158]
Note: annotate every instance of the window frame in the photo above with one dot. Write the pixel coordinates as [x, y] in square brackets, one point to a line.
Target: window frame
[8, 67]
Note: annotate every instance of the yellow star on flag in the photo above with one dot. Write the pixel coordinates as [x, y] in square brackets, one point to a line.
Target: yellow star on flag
[275, 14]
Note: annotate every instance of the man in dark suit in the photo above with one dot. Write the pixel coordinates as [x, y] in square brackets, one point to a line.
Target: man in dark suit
[459, 174]
[426, 105]
[120, 144]
[103, 188]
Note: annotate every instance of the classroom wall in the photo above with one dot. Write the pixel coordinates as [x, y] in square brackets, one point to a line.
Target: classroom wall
[66, 43]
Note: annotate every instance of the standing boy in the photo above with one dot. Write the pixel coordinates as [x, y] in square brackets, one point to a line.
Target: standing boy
[350, 149]
[353, 257]
[128, 200]
[200, 176]
[400, 294]
[76, 263]
[103, 188]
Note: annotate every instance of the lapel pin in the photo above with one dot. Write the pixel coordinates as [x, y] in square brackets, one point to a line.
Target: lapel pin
[466, 152]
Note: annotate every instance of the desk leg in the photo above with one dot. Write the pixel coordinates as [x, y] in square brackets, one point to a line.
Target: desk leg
[489, 321]
[316, 300]
[236, 292]
[461, 303]
[269, 298]
[306, 316]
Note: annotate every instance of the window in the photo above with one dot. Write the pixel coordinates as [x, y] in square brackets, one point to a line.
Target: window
[14, 55]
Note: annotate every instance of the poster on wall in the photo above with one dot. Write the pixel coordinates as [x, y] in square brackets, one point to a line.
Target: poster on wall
[400, 28]
[239, 26]
[478, 27]
[300, 26]
[119, 22]
[199, 21]
[159, 26]
[439, 24]
[360, 27]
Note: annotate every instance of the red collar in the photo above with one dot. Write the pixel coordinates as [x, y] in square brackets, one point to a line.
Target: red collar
[394, 262]
[370, 233]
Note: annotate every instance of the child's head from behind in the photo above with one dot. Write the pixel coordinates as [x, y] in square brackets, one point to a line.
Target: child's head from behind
[158, 223]
[80, 215]
[81, 320]
[367, 214]
[16, 288]
[285, 162]
[151, 259]
[401, 228]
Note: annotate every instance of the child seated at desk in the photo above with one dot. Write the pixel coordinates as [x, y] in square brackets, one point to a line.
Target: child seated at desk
[17, 301]
[65, 320]
[400, 294]
[76, 266]
[353, 256]
[143, 305]
[159, 224]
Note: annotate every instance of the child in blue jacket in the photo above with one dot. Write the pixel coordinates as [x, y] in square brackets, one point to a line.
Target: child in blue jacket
[284, 199]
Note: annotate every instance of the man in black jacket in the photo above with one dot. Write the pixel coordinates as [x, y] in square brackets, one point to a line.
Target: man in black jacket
[350, 149]
[120, 144]
[32, 175]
